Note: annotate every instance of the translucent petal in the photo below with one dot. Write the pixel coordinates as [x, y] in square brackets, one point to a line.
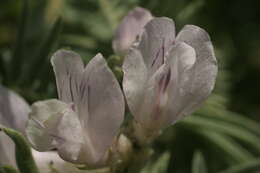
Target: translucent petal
[105, 105]
[197, 83]
[151, 115]
[68, 137]
[182, 58]
[158, 36]
[199, 39]
[36, 130]
[134, 82]
[7, 156]
[130, 29]
[45, 159]
[13, 110]
[68, 68]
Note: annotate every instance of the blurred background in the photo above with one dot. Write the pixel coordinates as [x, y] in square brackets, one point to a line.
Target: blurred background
[223, 136]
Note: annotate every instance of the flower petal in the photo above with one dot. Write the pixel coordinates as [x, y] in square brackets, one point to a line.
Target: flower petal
[68, 68]
[45, 159]
[151, 115]
[68, 137]
[36, 130]
[198, 82]
[199, 39]
[162, 93]
[134, 81]
[158, 36]
[130, 29]
[182, 57]
[14, 109]
[7, 156]
[13, 114]
[105, 105]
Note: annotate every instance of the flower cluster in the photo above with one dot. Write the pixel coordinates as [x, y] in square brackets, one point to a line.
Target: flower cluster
[166, 77]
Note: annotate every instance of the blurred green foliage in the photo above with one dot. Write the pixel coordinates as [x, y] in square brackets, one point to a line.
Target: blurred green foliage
[214, 139]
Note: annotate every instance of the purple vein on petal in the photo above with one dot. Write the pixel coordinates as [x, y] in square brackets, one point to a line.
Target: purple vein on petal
[82, 89]
[164, 81]
[41, 125]
[77, 87]
[70, 85]
[156, 57]
[161, 50]
[88, 98]
[167, 80]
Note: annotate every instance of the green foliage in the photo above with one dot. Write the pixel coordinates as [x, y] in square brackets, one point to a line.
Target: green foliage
[198, 163]
[250, 166]
[159, 165]
[7, 169]
[23, 154]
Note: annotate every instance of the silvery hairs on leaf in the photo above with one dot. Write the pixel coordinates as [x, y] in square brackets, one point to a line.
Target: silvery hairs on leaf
[168, 77]
[14, 112]
[83, 124]
[130, 30]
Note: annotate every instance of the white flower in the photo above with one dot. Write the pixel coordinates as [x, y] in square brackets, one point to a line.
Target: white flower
[167, 77]
[14, 114]
[130, 29]
[84, 124]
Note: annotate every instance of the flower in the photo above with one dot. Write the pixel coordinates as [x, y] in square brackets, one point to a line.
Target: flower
[130, 29]
[168, 77]
[83, 124]
[14, 114]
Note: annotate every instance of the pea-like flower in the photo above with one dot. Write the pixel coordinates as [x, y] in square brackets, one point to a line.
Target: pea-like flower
[83, 124]
[168, 77]
[130, 30]
[14, 114]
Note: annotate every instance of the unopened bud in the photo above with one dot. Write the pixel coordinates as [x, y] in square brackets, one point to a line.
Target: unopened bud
[124, 147]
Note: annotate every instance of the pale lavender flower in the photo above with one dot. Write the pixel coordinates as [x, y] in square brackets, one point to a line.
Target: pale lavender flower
[167, 77]
[14, 114]
[83, 124]
[130, 29]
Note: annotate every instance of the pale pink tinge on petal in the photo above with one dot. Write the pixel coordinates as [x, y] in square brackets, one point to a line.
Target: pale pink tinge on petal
[158, 36]
[47, 161]
[135, 79]
[13, 109]
[37, 131]
[130, 29]
[202, 75]
[68, 68]
[105, 105]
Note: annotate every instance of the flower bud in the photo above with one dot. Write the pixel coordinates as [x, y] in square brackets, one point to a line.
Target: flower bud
[124, 147]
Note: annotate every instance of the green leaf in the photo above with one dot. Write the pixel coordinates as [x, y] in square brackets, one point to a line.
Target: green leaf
[41, 57]
[221, 114]
[162, 163]
[227, 128]
[190, 10]
[7, 169]
[23, 154]
[231, 149]
[251, 166]
[198, 163]
[18, 54]
[158, 166]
